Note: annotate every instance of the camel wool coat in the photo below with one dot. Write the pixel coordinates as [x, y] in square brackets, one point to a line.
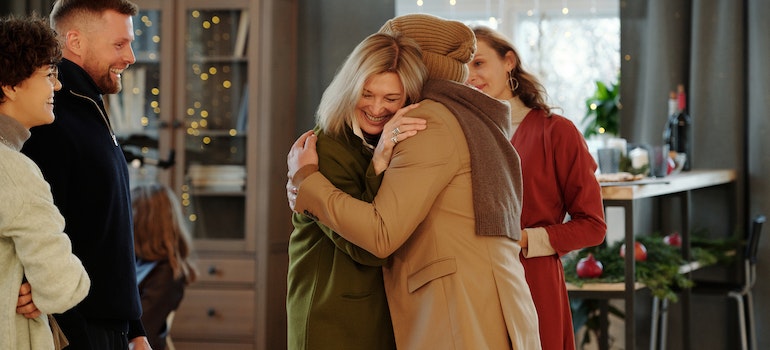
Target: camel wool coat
[447, 287]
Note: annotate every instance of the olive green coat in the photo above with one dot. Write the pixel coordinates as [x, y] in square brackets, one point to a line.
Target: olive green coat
[336, 298]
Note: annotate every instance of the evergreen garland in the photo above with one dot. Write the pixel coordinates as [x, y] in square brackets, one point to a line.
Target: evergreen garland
[660, 272]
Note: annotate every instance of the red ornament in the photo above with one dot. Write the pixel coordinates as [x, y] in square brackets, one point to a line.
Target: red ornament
[640, 251]
[589, 267]
[673, 239]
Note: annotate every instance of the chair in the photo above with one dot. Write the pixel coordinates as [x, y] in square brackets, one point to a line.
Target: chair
[741, 291]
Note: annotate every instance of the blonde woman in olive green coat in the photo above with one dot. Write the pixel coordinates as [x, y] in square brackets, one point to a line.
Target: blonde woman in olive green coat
[336, 298]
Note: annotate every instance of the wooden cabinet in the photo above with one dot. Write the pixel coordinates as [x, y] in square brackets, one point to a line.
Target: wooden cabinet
[204, 92]
[221, 306]
[224, 315]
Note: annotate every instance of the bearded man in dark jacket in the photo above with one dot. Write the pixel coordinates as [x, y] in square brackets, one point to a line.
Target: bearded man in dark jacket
[82, 160]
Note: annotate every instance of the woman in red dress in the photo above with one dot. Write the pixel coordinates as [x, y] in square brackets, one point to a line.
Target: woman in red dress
[558, 177]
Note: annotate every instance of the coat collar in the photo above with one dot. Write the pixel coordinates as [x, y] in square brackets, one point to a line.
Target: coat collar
[75, 78]
[12, 133]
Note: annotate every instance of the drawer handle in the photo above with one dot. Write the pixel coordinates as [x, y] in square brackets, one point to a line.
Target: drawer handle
[213, 270]
[211, 312]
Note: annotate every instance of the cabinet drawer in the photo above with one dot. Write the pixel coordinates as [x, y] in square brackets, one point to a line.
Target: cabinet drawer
[226, 270]
[215, 314]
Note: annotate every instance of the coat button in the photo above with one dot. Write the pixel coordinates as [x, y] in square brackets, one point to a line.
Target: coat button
[310, 215]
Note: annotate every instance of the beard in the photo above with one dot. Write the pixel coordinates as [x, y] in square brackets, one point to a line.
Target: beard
[103, 79]
[107, 85]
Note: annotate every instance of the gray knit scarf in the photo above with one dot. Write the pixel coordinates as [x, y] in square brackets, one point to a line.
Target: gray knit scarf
[495, 165]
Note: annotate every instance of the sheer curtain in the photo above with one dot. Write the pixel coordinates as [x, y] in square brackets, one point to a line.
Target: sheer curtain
[718, 50]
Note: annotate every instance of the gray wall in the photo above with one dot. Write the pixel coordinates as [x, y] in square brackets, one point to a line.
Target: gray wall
[757, 151]
[328, 32]
[718, 49]
[19, 7]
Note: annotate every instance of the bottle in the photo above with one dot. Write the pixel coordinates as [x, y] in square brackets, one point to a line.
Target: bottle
[681, 137]
[672, 108]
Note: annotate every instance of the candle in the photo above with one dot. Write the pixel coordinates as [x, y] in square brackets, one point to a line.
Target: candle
[639, 157]
[619, 143]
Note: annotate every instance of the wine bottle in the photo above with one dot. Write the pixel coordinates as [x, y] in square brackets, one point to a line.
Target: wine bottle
[681, 138]
[672, 108]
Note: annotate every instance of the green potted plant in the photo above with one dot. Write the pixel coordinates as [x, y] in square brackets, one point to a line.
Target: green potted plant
[603, 111]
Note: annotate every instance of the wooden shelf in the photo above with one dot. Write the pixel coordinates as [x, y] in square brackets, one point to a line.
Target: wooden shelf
[603, 287]
[621, 286]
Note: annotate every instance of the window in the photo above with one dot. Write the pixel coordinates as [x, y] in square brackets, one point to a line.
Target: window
[568, 50]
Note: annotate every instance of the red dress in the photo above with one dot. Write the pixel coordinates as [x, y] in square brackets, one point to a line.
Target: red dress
[558, 176]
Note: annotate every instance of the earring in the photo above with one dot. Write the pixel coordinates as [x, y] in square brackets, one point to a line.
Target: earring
[513, 84]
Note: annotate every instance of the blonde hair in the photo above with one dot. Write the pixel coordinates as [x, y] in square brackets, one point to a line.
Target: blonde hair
[530, 91]
[159, 229]
[378, 53]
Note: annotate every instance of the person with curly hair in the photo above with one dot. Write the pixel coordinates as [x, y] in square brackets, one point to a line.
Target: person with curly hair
[34, 251]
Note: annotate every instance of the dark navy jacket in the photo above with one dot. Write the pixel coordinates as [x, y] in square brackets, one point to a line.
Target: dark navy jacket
[87, 170]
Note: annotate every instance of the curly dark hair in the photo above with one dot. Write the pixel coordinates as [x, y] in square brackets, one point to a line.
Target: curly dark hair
[26, 44]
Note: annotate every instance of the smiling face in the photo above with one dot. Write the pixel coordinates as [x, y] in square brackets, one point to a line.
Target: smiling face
[382, 96]
[107, 50]
[33, 99]
[489, 72]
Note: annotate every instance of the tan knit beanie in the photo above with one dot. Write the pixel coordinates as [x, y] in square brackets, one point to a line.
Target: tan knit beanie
[447, 46]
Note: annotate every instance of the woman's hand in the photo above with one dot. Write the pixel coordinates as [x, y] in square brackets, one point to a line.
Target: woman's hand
[302, 153]
[397, 129]
[291, 194]
[25, 305]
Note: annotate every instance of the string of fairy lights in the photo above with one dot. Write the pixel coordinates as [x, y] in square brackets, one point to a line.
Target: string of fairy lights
[208, 43]
[214, 85]
[496, 10]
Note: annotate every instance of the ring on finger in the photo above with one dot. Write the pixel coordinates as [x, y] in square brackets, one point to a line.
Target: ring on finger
[396, 131]
[394, 139]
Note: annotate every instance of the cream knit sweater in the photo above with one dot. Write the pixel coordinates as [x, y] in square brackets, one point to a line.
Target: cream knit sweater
[32, 245]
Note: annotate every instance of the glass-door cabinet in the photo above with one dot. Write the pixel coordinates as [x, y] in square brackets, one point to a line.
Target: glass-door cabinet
[213, 108]
[141, 113]
[188, 116]
[183, 114]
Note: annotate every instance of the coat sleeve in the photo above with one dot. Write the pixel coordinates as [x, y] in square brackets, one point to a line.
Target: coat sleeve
[581, 193]
[58, 279]
[420, 169]
[342, 170]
